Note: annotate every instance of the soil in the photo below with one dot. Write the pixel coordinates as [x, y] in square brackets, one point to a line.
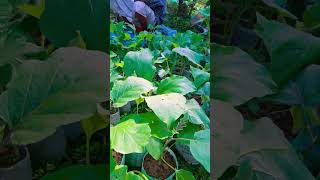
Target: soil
[11, 155]
[158, 169]
[117, 156]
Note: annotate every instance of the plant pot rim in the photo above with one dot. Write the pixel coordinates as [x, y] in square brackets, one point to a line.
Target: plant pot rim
[168, 178]
[25, 158]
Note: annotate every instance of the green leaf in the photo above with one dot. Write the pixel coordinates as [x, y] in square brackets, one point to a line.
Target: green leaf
[139, 63]
[113, 162]
[311, 18]
[168, 107]
[128, 90]
[282, 11]
[200, 148]
[33, 10]
[195, 114]
[199, 76]
[182, 174]
[61, 19]
[79, 172]
[176, 84]
[46, 94]
[245, 172]
[94, 124]
[155, 148]
[304, 117]
[192, 56]
[129, 137]
[278, 38]
[204, 90]
[226, 135]
[237, 77]
[159, 129]
[6, 14]
[269, 153]
[302, 90]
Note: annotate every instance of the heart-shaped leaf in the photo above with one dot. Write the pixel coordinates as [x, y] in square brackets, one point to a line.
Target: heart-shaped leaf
[129, 137]
[234, 72]
[128, 90]
[176, 84]
[168, 107]
[139, 63]
[61, 20]
[200, 148]
[46, 94]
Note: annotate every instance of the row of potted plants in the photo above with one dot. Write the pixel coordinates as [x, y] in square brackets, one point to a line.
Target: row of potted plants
[165, 80]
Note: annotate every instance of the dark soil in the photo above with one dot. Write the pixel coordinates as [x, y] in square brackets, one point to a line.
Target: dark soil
[158, 169]
[117, 156]
[11, 155]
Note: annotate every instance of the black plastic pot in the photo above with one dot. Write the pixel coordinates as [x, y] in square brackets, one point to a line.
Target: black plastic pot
[20, 171]
[185, 152]
[51, 148]
[115, 117]
[126, 108]
[134, 159]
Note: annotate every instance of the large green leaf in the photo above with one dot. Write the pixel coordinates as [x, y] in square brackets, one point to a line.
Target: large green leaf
[192, 56]
[158, 128]
[176, 84]
[290, 50]
[195, 114]
[302, 90]
[302, 93]
[46, 94]
[128, 90]
[200, 148]
[270, 154]
[61, 20]
[311, 18]
[237, 78]
[275, 5]
[139, 63]
[168, 107]
[226, 137]
[79, 172]
[199, 76]
[261, 143]
[129, 137]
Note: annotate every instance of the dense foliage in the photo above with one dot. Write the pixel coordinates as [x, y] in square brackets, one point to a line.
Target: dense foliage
[167, 78]
[266, 90]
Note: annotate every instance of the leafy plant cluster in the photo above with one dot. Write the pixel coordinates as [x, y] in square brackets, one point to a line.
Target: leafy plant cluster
[282, 70]
[167, 80]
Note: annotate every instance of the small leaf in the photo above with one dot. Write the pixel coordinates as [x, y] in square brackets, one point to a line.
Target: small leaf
[182, 174]
[155, 148]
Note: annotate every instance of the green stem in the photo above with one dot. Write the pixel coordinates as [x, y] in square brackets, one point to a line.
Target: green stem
[42, 40]
[88, 151]
[168, 164]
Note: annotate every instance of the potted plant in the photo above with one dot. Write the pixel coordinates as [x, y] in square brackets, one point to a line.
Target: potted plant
[33, 107]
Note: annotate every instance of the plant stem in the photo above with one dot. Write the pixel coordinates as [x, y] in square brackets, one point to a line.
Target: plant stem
[168, 164]
[88, 151]
[140, 174]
